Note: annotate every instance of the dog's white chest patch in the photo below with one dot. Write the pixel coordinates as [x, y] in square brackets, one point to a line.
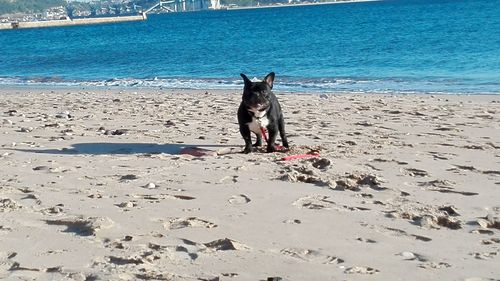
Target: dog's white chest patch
[257, 123]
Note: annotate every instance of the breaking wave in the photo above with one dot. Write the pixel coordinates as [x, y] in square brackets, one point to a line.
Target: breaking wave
[283, 84]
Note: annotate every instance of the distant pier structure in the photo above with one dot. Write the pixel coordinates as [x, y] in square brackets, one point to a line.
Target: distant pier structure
[184, 6]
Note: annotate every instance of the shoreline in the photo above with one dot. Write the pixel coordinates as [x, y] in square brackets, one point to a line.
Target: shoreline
[64, 88]
[302, 4]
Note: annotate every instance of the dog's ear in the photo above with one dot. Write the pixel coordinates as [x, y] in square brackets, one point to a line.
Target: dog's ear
[269, 79]
[247, 81]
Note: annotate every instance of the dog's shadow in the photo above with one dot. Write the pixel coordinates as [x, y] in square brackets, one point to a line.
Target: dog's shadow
[123, 148]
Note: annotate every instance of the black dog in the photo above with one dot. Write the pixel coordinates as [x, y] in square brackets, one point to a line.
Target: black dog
[260, 109]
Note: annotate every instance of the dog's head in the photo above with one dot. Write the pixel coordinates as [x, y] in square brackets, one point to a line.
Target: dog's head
[256, 95]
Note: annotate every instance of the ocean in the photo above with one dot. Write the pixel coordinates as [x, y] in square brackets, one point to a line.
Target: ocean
[414, 46]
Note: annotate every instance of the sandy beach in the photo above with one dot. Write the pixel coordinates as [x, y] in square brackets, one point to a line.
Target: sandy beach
[93, 187]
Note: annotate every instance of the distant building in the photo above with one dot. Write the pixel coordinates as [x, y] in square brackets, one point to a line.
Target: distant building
[55, 13]
[215, 4]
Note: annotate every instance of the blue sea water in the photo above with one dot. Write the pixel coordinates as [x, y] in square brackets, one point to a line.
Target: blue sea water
[414, 46]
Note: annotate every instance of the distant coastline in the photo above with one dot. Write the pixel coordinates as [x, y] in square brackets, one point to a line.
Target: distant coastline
[67, 21]
[300, 4]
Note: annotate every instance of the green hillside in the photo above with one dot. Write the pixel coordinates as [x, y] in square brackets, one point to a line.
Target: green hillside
[28, 6]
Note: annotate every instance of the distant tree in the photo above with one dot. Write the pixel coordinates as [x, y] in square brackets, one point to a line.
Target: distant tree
[93, 10]
[117, 8]
[28, 6]
[70, 10]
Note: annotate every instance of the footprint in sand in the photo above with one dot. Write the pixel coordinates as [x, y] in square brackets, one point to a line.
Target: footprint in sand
[229, 179]
[439, 155]
[311, 256]
[6, 261]
[317, 202]
[55, 210]
[444, 186]
[239, 199]
[485, 255]
[415, 172]
[396, 232]
[366, 240]
[177, 223]
[320, 202]
[435, 265]
[484, 242]
[355, 182]
[4, 228]
[8, 205]
[457, 168]
[184, 251]
[438, 184]
[361, 270]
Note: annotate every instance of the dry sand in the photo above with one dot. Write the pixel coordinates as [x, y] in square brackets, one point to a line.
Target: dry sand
[92, 188]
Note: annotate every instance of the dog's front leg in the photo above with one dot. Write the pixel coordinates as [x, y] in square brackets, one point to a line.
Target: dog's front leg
[281, 127]
[258, 143]
[273, 132]
[245, 133]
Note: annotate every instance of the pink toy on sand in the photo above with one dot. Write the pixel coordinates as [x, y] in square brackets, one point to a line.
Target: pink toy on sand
[310, 154]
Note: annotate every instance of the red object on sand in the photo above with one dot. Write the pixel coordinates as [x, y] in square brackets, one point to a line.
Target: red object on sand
[310, 154]
[264, 135]
[299, 156]
[280, 148]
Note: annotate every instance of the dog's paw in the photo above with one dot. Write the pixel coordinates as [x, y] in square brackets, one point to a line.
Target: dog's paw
[271, 148]
[284, 149]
